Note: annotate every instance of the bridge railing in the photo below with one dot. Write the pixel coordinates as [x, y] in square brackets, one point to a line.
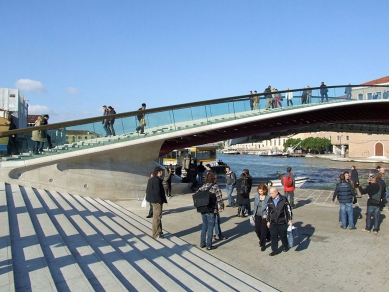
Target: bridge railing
[86, 133]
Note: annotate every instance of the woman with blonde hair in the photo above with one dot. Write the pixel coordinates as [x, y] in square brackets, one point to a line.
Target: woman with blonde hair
[260, 204]
[37, 136]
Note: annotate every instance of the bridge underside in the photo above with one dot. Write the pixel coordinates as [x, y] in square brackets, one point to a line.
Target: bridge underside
[359, 117]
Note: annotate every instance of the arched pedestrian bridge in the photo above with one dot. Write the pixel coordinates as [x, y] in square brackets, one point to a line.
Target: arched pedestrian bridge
[117, 167]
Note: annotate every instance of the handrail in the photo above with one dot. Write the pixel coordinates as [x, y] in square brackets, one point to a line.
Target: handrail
[165, 108]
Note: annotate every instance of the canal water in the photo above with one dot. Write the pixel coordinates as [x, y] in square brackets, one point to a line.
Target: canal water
[322, 173]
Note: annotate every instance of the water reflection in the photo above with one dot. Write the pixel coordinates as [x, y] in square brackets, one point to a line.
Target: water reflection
[322, 173]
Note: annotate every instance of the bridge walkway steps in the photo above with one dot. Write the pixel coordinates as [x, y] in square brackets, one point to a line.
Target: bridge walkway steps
[61, 242]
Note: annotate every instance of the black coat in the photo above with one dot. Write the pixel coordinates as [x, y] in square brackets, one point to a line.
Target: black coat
[155, 192]
[240, 200]
[279, 214]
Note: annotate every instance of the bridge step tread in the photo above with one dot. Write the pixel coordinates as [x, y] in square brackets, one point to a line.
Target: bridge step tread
[30, 267]
[6, 276]
[83, 221]
[63, 266]
[95, 270]
[166, 259]
[132, 249]
[234, 279]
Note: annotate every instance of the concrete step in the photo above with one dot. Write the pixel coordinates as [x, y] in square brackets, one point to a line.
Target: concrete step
[94, 268]
[29, 264]
[63, 242]
[63, 267]
[192, 258]
[104, 251]
[6, 276]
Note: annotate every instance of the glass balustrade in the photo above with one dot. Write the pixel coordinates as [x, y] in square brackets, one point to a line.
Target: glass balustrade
[182, 117]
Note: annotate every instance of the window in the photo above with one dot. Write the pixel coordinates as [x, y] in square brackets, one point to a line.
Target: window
[347, 138]
[338, 138]
[360, 96]
[378, 95]
[369, 95]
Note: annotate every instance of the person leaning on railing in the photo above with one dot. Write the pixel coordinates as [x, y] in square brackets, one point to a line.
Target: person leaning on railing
[141, 119]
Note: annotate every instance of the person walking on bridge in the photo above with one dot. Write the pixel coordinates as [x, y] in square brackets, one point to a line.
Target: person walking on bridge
[256, 101]
[289, 97]
[106, 121]
[251, 99]
[269, 97]
[309, 95]
[111, 121]
[141, 119]
[323, 92]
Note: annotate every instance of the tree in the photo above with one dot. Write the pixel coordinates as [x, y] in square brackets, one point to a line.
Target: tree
[317, 143]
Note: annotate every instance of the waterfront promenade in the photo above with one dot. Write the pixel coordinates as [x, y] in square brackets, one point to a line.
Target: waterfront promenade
[325, 258]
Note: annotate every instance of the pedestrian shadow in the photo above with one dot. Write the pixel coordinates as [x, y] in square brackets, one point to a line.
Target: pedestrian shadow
[381, 218]
[357, 214]
[304, 235]
[241, 228]
[303, 203]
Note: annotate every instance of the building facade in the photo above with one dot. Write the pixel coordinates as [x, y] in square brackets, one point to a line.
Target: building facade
[12, 101]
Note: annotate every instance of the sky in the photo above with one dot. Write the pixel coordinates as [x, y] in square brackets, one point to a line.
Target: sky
[71, 57]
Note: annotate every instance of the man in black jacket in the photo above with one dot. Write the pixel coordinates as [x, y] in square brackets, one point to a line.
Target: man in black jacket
[11, 146]
[155, 194]
[141, 120]
[278, 216]
[374, 191]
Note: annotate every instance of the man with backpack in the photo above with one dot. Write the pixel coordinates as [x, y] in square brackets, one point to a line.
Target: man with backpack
[288, 182]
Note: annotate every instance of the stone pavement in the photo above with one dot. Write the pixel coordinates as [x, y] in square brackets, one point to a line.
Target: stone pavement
[325, 257]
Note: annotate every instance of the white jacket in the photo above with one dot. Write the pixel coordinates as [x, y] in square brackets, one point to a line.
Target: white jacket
[289, 95]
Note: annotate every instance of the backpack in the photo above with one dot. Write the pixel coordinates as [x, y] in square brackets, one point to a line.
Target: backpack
[288, 181]
[244, 189]
[204, 200]
[377, 197]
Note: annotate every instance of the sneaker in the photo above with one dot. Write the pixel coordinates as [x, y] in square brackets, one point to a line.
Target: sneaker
[352, 228]
[365, 230]
[160, 236]
[375, 232]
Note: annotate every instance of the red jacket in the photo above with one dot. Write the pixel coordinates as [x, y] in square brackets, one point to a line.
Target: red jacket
[283, 181]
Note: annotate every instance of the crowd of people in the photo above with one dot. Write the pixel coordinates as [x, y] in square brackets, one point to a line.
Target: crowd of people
[274, 98]
[272, 212]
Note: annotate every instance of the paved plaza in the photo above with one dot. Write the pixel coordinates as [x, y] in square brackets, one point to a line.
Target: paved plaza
[325, 257]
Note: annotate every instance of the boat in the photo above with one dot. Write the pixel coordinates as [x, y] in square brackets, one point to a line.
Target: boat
[272, 154]
[231, 152]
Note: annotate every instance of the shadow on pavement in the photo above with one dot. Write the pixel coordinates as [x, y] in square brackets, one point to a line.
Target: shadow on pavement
[304, 235]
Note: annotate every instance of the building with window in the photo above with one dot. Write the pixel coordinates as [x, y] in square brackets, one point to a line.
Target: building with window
[80, 135]
[13, 102]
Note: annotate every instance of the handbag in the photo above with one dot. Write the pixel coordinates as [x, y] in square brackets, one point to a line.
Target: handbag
[142, 122]
[252, 220]
[291, 234]
[144, 203]
[355, 200]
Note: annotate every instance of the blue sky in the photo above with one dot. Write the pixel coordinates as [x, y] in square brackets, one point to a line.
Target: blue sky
[71, 57]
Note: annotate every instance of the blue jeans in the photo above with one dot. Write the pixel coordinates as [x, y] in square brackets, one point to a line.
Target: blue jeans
[218, 231]
[200, 178]
[207, 229]
[107, 130]
[376, 212]
[346, 208]
[229, 190]
[324, 95]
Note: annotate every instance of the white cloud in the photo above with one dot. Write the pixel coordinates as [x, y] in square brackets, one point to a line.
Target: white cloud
[72, 90]
[29, 85]
[38, 110]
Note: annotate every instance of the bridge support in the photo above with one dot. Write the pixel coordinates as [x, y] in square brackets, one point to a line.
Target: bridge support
[114, 174]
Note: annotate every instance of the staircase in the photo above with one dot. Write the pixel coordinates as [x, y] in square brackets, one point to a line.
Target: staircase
[52, 241]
